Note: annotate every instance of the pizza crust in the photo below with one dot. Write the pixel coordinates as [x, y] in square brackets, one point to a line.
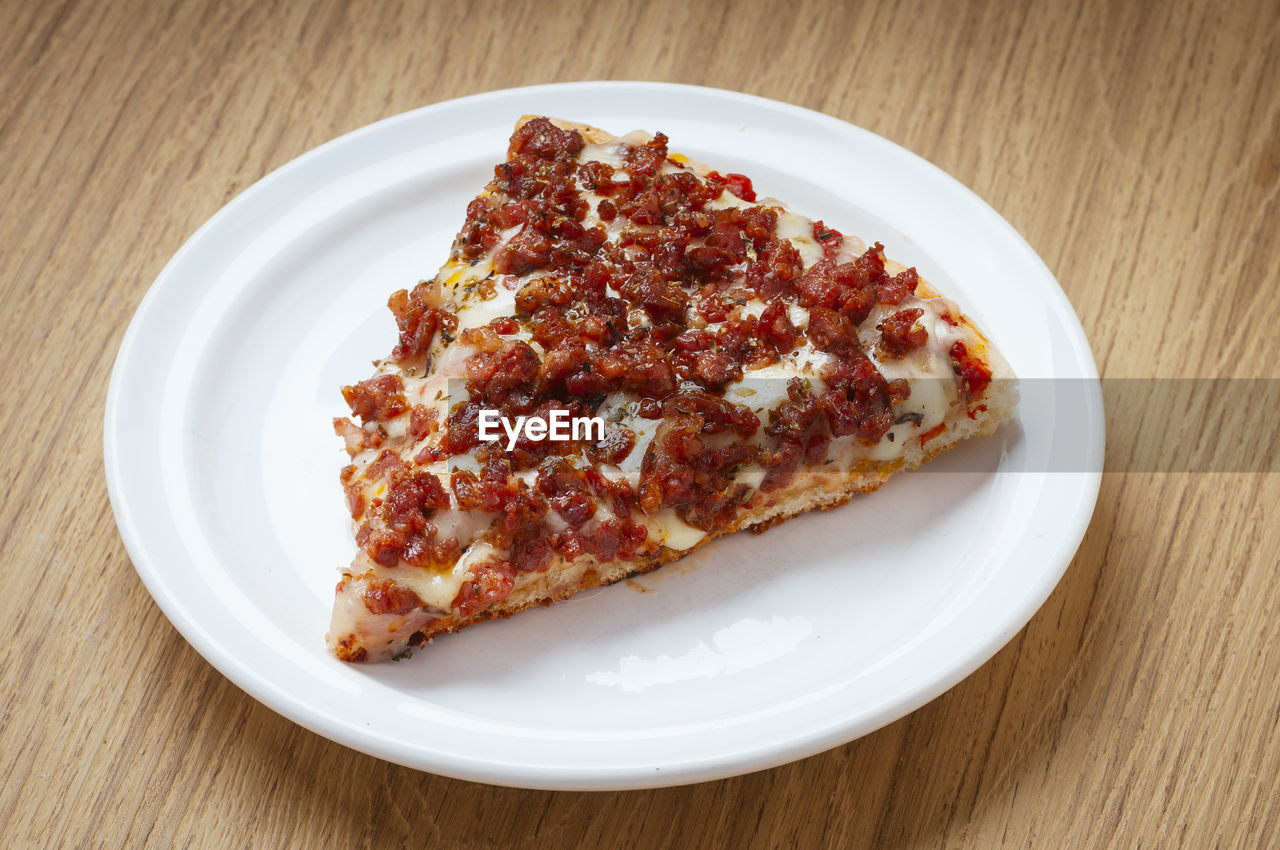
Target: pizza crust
[809, 490]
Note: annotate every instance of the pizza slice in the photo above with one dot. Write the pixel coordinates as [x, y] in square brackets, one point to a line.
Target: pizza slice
[710, 362]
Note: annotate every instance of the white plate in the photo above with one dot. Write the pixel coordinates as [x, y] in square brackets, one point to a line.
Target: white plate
[752, 652]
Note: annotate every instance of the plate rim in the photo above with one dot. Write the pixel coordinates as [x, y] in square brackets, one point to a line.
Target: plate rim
[784, 750]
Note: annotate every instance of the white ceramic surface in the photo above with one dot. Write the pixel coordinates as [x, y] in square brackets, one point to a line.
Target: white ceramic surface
[754, 651]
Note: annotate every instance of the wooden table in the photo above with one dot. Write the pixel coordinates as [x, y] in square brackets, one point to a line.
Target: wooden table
[1137, 147]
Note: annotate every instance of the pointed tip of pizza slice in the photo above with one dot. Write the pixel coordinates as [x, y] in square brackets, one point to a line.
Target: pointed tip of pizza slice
[731, 364]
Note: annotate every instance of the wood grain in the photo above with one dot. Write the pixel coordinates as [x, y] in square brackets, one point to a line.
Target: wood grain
[1137, 147]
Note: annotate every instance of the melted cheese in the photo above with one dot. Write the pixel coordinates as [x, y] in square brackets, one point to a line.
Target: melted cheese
[673, 532]
[618, 409]
[479, 311]
[466, 526]
[762, 389]
[462, 278]
[728, 199]
[799, 232]
[438, 588]
[612, 153]
[927, 369]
